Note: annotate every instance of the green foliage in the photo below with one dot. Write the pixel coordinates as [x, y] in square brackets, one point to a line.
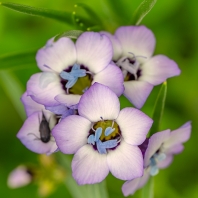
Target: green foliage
[73, 34]
[143, 9]
[13, 89]
[17, 60]
[158, 109]
[61, 16]
[147, 190]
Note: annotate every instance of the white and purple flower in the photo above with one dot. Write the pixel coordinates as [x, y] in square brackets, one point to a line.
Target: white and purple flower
[133, 48]
[103, 138]
[158, 153]
[35, 133]
[70, 69]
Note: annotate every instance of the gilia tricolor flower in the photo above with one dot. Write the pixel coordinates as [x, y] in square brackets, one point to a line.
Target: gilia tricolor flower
[133, 48]
[161, 147]
[103, 138]
[70, 69]
[35, 133]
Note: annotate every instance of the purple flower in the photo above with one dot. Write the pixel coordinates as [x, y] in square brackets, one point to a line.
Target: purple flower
[133, 48]
[162, 146]
[70, 69]
[103, 138]
[35, 133]
[19, 177]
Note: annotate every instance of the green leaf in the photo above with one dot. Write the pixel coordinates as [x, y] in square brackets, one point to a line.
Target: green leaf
[73, 34]
[143, 9]
[14, 90]
[17, 60]
[147, 190]
[158, 109]
[61, 16]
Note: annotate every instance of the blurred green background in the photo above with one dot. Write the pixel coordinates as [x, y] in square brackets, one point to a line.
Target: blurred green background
[175, 25]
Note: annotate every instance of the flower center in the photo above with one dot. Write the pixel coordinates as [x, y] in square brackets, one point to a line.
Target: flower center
[76, 80]
[104, 135]
[130, 66]
[157, 157]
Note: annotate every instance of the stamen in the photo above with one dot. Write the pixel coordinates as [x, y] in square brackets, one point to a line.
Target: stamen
[98, 133]
[154, 170]
[109, 144]
[101, 118]
[101, 149]
[90, 139]
[160, 157]
[109, 130]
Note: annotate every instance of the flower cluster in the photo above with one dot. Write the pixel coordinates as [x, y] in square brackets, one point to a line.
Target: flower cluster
[72, 106]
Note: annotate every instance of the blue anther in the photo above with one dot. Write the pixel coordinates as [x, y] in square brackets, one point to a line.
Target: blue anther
[90, 139]
[66, 75]
[98, 133]
[152, 161]
[154, 170]
[160, 157]
[77, 72]
[71, 83]
[109, 130]
[101, 149]
[109, 144]
[76, 66]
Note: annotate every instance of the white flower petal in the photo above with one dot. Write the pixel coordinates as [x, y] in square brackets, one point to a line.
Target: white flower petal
[130, 187]
[58, 56]
[99, 101]
[134, 125]
[43, 87]
[125, 162]
[136, 39]
[71, 133]
[158, 69]
[68, 100]
[112, 77]
[29, 135]
[94, 51]
[117, 48]
[88, 166]
[137, 92]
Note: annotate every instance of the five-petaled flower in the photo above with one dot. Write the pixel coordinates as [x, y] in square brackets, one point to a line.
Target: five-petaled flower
[103, 138]
[35, 133]
[133, 47]
[70, 69]
[158, 153]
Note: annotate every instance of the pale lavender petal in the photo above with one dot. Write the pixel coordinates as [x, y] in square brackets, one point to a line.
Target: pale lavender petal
[130, 187]
[155, 142]
[43, 87]
[58, 109]
[30, 105]
[99, 101]
[68, 100]
[94, 51]
[158, 69]
[175, 149]
[19, 177]
[136, 39]
[134, 125]
[117, 48]
[179, 136]
[71, 133]
[137, 92]
[125, 162]
[58, 56]
[29, 135]
[89, 166]
[165, 163]
[112, 77]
